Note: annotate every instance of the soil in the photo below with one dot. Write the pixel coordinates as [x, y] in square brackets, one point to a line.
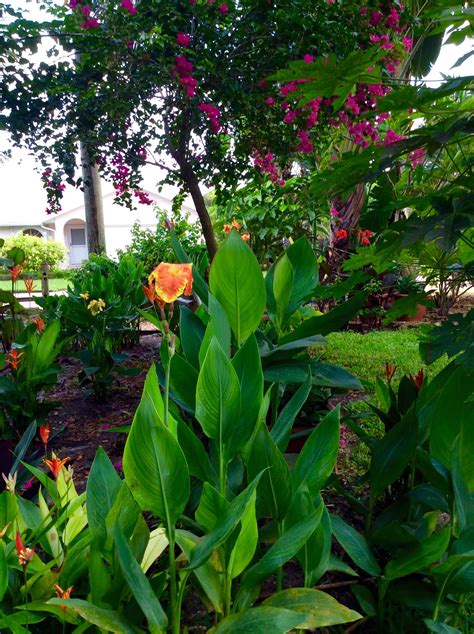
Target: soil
[82, 423]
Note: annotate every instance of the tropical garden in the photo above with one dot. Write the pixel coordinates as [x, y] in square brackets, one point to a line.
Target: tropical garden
[260, 422]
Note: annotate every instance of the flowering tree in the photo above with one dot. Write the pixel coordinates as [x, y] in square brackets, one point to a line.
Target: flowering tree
[184, 85]
[180, 85]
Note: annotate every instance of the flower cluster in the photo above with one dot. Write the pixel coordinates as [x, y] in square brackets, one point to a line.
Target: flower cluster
[213, 113]
[84, 11]
[364, 236]
[121, 176]
[96, 306]
[129, 6]
[54, 191]
[183, 71]
[237, 226]
[266, 164]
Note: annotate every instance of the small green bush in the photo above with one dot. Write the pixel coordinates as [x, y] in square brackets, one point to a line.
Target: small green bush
[37, 250]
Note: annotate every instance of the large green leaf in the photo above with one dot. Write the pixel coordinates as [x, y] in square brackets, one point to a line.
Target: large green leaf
[208, 577]
[47, 348]
[419, 556]
[237, 282]
[274, 488]
[218, 401]
[448, 412]
[154, 465]
[320, 609]
[248, 367]
[330, 322]
[393, 452]
[191, 333]
[228, 520]
[103, 485]
[280, 432]
[261, 620]
[3, 572]
[246, 543]
[107, 620]
[355, 545]
[282, 550]
[318, 456]
[218, 327]
[464, 499]
[327, 375]
[283, 278]
[139, 585]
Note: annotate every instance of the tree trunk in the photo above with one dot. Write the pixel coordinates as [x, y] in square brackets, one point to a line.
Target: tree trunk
[192, 183]
[92, 203]
[349, 213]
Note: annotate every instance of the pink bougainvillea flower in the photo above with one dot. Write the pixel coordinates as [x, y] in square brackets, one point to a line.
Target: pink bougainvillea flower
[223, 9]
[269, 101]
[183, 39]
[171, 281]
[334, 212]
[90, 23]
[308, 59]
[417, 157]
[128, 6]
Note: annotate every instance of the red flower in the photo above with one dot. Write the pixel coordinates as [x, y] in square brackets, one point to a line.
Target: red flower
[227, 228]
[246, 236]
[15, 272]
[390, 369]
[44, 432]
[39, 323]
[341, 234]
[14, 358]
[29, 285]
[223, 9]
[56, 465]
[149, 292]
[418, 379]
[25, 555]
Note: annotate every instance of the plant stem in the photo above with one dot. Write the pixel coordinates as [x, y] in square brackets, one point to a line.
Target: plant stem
[167, 386]
[174, 599]
[279, 575]
[228, 594]
[26, 599]
[182, 587]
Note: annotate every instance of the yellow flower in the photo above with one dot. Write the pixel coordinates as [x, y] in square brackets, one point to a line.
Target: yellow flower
[84, 295]
[96, 306]
[171, 281]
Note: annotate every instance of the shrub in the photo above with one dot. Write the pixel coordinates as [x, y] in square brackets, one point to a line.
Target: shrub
[37, 250]
[152, 247]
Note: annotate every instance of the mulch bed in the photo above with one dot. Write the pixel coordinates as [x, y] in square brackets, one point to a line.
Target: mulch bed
[85, 423]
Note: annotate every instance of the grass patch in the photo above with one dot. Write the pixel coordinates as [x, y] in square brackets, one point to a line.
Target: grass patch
[365, 357]
[55, 284]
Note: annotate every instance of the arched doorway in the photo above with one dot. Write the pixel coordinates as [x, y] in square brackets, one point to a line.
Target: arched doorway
[76, 241]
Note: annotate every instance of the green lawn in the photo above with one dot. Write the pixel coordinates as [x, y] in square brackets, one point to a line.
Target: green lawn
[55, 284]
[365, 356]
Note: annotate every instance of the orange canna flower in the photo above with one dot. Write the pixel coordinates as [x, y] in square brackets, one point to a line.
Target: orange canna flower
[14, 358]
[56, 465]
[44, 432]
[63, 594]
[236, 225]
[15, 272]
[29, 285]
[39, 323]
[170, 281]
[246, 236]
[25, 555]
[227, 228]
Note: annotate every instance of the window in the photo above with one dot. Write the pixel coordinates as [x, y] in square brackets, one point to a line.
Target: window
[32, 232]
[78, 237]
